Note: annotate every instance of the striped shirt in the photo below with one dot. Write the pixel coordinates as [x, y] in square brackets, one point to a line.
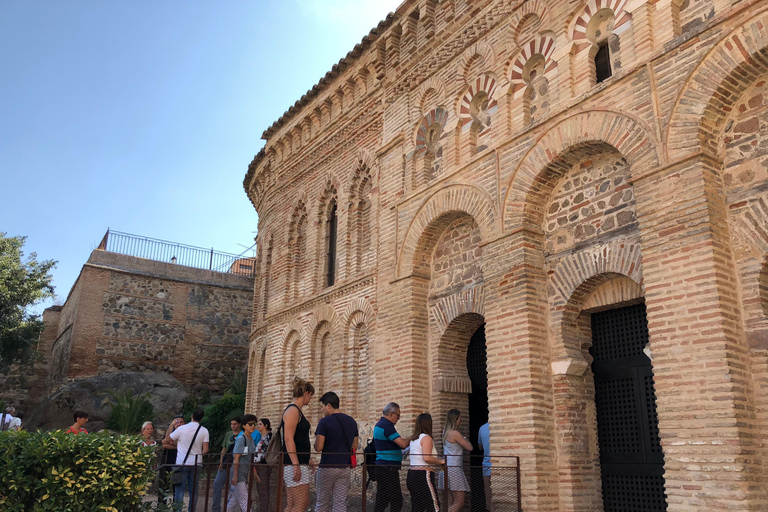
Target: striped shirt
[388, 453]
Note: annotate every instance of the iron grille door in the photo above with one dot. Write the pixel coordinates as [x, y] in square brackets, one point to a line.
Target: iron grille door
[631, 459]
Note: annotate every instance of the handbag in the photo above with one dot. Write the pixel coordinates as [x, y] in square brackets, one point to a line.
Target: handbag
[275, 446]
[176, 475]
[353, 456]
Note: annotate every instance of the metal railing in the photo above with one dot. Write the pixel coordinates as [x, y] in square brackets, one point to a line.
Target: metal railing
[265, 490]
[179, 254]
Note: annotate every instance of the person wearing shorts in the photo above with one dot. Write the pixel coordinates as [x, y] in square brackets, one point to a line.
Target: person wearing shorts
[297, 448]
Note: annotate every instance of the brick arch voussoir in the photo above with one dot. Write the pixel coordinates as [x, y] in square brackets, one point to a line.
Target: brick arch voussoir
[358, 308]
[613, 131]
[447, 310]
[452, 199]
[479, 49]
[621, 257]
[536, 7]
[431, 84]
[702, 106]
[574, 281]
[323, 314]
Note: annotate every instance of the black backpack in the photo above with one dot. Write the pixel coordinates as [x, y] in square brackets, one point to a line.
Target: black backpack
[369, 455]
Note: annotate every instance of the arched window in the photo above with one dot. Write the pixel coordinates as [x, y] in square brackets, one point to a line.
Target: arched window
[267, 277]
[297, 249]
[360, 218]
[331, 238]
[260, 382]
[605, 45]
[603, 69]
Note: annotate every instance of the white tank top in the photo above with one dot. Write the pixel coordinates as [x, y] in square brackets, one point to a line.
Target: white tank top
[416, 453]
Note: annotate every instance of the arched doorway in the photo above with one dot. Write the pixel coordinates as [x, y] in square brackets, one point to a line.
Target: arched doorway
[631, 457]
[478, 412]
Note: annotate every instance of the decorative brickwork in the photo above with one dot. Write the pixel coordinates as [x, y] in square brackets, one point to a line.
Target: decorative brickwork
[530, 166]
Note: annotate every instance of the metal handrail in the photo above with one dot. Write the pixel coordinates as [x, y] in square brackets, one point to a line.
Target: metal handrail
[177, 253]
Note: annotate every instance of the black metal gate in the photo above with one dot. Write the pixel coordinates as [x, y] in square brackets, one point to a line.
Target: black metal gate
[631, 459]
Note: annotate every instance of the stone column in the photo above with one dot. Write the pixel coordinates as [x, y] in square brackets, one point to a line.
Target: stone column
[700, 359]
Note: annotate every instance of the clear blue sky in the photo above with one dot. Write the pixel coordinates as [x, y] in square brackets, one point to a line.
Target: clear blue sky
[143, 115]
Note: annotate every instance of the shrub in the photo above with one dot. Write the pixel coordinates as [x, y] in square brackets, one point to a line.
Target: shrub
[219, 414]
[54, 471]
[129, 411]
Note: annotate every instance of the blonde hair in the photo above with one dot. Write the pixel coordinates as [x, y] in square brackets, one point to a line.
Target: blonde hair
[451, 423]
[144, 425]
[301, 386]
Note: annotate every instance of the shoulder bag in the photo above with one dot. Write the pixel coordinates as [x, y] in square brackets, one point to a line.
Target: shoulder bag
[352, 456]
[275, 446]
[176, 475]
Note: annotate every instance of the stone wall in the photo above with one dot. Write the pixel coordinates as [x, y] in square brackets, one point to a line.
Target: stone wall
[509, 185]
[130, 314]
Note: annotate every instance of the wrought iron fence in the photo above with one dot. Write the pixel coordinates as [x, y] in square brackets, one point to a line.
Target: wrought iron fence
[180, 254]
[409, 489]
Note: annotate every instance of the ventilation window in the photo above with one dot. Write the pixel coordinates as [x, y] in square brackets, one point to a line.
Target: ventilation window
[332, 228]
[603, 62]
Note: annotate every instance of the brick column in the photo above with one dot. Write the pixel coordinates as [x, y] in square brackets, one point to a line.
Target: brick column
[519, 382]
[402, 372]
[700, 358]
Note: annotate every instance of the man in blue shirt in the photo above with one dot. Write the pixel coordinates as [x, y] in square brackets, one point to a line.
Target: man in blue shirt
[389, 457]
[484, 443]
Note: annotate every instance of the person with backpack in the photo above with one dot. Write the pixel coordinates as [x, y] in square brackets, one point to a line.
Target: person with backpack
[336, 438]
[222, 475]
[242, 461]
[389, 458]
[297, 448]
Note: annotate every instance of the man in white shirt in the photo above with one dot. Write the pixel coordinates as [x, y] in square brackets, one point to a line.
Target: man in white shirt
[192, 443]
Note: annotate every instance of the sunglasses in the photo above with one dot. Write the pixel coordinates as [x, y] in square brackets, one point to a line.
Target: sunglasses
[251, 423]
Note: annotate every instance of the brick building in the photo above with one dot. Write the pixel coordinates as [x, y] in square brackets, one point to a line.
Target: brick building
[156, 313]
[570, 196]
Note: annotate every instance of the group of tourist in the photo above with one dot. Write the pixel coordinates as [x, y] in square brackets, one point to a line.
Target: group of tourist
[336, 438]
[337, 441]
[244, 455]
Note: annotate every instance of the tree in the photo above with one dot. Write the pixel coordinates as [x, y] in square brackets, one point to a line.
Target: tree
[23, 283]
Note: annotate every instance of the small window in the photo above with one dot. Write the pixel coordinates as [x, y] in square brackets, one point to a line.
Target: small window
[331, 264]
[603, 62]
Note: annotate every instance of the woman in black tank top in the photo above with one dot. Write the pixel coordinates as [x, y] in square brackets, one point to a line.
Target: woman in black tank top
[297, 448]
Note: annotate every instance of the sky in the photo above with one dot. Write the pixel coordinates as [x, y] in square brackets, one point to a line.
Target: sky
[142, 116]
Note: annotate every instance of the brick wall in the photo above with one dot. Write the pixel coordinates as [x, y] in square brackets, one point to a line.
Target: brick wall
[507, 186]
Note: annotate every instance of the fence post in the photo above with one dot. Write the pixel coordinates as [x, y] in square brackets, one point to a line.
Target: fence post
[210, 263]
[193, 493]
[364, 495]
[228, 467]
[519, 491]
[279, 497]
[444, 505]
[207, 488]
[250, 484]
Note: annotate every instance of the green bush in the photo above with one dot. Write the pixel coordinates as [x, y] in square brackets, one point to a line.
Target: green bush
[54, 471]
[219, 414]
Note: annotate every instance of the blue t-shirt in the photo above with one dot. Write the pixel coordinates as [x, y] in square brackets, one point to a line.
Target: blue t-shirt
[388, 453]
[256, 436]
[336, 450]
[484, 440]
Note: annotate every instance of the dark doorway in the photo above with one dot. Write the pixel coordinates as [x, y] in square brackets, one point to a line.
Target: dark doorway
[631, 459]
[478, 413]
